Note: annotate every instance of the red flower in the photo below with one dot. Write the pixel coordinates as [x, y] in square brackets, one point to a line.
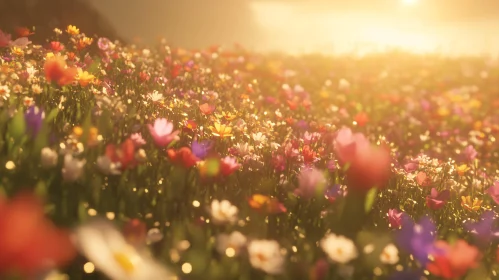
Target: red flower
[361, 118]
[29, 242]
[228, 165]
[308, 154]
[125, 155]
[55, 70]
[56, 46]
[437, 200]
[23, 32]
[453, 262]
[183, 156]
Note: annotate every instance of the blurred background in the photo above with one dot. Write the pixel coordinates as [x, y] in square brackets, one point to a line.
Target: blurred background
[295, 26]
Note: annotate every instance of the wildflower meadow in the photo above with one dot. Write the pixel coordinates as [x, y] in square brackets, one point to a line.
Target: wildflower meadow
[125, 162]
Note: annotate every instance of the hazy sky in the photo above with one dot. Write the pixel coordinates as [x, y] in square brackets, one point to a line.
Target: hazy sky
[457, 26]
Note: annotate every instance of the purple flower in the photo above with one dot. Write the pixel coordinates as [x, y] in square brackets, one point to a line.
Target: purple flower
[493, 191]
[334, 192]
[395, 218]
[482, 229]
[411, 167]
[417, 239]
[310, 181]
[470, 153]
[201, 149]
[34, 118]
[103, 43]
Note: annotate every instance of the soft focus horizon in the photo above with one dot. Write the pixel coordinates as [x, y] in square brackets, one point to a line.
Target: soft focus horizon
[297, 26]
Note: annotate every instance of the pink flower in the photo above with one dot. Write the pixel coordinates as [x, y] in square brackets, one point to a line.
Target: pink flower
[437, 200]
[470, 153]
[162, 132]
[5, 39]
[493, 191]
[310, 182]
[278, 162]
[137, 139]
[368, 165]
[20, 42]
[228, 165]
[453, 261]
[395, 218]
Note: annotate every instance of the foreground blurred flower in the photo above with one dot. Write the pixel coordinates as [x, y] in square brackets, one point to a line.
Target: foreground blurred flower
[230, 244]
[102, 244]
[310, 183]
[162, 132]
[56, 70]
[453, 261]
[34, 118]
[73, 168]
[48, 158]
[367, 165]
[437, 200]
[470, 205]
[417, 239]
[266, 255]
[223, 212]
[395, 218]
[339, 248]
[29, 242]
[5, 39]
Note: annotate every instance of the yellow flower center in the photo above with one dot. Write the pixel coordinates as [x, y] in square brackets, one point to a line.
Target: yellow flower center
[125, 262]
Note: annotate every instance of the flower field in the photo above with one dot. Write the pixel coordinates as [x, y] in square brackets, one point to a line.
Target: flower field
[119, 162]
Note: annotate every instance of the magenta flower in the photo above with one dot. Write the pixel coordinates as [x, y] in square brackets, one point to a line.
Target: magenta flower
[228, 165]
[310, 182]
[437, 200]
[162, 132]
[395, 218]
[493, 191]
[137, 139]
[470, 153]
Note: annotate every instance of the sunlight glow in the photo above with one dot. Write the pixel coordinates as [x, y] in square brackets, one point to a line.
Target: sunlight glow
[410, 2]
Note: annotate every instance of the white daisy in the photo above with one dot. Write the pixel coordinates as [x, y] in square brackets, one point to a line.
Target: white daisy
[223, 212]
[390, 254]
[102, 244]
[73, 168]
[339, 248]
[266, 255]
[230, 245]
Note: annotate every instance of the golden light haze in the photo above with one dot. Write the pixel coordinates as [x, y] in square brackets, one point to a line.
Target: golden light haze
[296, 26]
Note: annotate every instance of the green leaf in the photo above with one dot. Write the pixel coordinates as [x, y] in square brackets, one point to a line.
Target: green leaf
[52, 115]
[41, 189]
[82, 212]
[370, 197]
[17, 127]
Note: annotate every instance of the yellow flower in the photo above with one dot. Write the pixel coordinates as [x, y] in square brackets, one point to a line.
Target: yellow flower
[84, 78]
[469, 205]
[461, 169]
[228, 116]
[49, 55]
[443, 112]
[221, 130]
[17, 51]
[84, 42]
[72, 30]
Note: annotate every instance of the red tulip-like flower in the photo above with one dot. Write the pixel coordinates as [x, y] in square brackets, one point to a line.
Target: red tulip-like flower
[57, 71]
[29, 242]
[453, 261]
[125, 154]
[437, 200]
[182, 156]
[228, 165]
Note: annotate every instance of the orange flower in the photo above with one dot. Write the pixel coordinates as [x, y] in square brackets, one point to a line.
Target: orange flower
[461, 169]
[207, 109]
[182, 156]
[471, 205]
[361, 118]
[83, 43]
[266, 204]
[221, 130]
[72, 30]
[23, 32]
[56, 70]
[29, 240]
